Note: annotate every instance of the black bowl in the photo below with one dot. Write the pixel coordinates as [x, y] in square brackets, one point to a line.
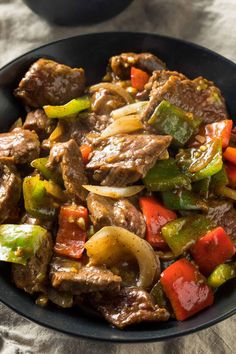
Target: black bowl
[92, 52]
[73, 12]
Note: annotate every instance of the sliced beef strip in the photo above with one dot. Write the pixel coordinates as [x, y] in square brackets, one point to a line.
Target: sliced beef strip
[19, 146]
[97, 122]
[123, 159]
[50, 83]
[38, 121]
[71, 129]
[10, 189]
[28, 219]
[89, 125]
[82, 130]
[222, 213]
[86, 279]
[107, 212]
[103, 102]
[34, 276]
[120, 65]
[198, 96]
[66, 160]
[131, 305]
[64, 264]
[158, 78]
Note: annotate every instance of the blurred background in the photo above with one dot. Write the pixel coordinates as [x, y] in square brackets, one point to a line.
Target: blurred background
[211, 23]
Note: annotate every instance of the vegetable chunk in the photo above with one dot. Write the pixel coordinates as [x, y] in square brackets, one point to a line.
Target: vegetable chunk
[212, 249]
[71, 236]
[186, 289]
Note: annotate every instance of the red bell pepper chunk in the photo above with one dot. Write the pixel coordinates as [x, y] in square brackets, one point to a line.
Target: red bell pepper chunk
[212, 250]
[221, 129]
[186, 289]
[71, 235]
[85, 152]
[231, 173]
[156, 216]
[230, 154]
[138, 78]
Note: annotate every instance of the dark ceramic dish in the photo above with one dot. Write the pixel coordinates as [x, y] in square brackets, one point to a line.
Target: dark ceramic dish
[73, 12]
[92, 53]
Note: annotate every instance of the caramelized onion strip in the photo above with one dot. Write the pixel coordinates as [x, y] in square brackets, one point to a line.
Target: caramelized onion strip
[133, 108]
[114, 88]
[123, 125]
[111, 242]
[114, 192]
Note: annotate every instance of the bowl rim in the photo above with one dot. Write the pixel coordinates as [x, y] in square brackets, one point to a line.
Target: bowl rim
[93, 336]
[165, 37]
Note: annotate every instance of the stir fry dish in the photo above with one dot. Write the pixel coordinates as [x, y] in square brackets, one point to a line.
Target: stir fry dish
[119, 197]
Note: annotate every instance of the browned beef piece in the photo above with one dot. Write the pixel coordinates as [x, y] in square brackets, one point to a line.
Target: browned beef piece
[103, 102]
[123, 159]
[66, 160]
[19, 146]
[158, 78]
[64, 264]
[34, 276]
[85, 280]
[97, 122]
[50, 83]
[92, 123]
[10, 189]
[40, 123]
[75, 129]
[198, 96]
[131, 305]
[222, 213]
[28, 219]
[106, 211]
[82, 130]
[120, 64]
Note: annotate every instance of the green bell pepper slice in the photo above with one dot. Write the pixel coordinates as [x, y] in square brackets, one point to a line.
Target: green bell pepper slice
[165, 176]
[182, 200]
[221, 274]
[36, 199]
[171, 120]
[159, 297]
[41, 165]
[202, 187]
[202, 162]
[214, 166]
[219, 179]
[180, 234]
[18, 243]
[54, 190]
[72, 107]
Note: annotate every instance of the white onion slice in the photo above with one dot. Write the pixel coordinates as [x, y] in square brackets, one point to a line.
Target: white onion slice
[137, 107]
[112, 87]
[110, 243]
[123, 125]
[114, 192]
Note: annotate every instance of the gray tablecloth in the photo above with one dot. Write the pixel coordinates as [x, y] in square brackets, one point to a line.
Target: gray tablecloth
[211, 23]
